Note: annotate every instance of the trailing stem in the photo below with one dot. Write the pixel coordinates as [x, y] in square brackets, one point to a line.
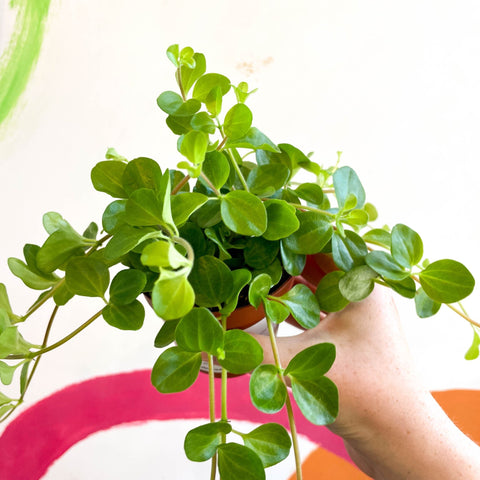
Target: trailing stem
[291, 420]
[211, 389]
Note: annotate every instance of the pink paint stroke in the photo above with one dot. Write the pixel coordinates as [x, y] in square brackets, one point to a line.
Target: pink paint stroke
[44, 432]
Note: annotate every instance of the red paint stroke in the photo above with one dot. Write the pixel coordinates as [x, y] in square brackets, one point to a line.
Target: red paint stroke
[44, 432]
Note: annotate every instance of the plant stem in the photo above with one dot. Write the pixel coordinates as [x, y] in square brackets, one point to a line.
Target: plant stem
[224, 386]
[211, 389]
[32, 373]
[44, 299]
[68, 337]
[291, 420]
[179, 81]
[238, 171]
[299, 206]
[210, 184]
[180, 184]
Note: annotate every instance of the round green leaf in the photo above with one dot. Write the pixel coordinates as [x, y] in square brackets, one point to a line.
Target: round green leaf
[254, 139]
[281, 220]
[328, 293]
[260, 253]
[30, 278]
[216, 168]
[348, 251]
[143, 208]
[347, 183]
[208, 82]
[106, 177]
[311, 192]
[141, 172]
[424, 305]
[175, 370]
[358, 283]
[126, 286]
[313, 234]
[172, 298]
[317, 399]
[293, 263]
[238, 121]
[87, 277]
[212, 281]
[447, 281]
[242, 352]
[6, 373]
[201, 442]
[405, 287]
[162, 253]
[184, 204]
[302, 305]
[267, 390]
[259, 289]
[199, 331]
[275, 311]
[241, 277]
[407, 246]
[194, 146]
[312, 363]
[125, 317]
[113, 215]
[271, 442]
[384, 264]
[265, 180]
[166, 334]
[244, 213]
[203, 122]
[238, 462]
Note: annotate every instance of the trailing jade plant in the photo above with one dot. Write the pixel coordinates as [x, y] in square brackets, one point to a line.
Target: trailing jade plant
[222, 230]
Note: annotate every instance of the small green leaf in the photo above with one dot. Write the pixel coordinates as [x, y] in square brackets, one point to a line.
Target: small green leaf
[259, 289]
[173, 53]
[405, 287]
[265, 180]
[199, 331]
[244, 213]
[348, 251]
[255, 140]
[207, 83]
[241, 277]
[346, 182]
[162, 254]
[424, 305]
[281, 220]
[267, 390]
[293, 263]
[474, 350]
[407, 246]
[317, 399]
[201, 442]
[378, 236]
[194, 146]
[208, 214]
[142, 172]
[107, 177]
[271, 443]
[112, 154]
[211, 280]
[216, 168]
[6, 372]
[126, 316]
[87, 277]
[24, 377]
[275, 311]
[384, 264]
[143, 208]
[260, 253]
[238, 121]
[126, 238]
[184, 204]
[175, 370]
[166, 334]
[113, 216]
[30, 278]
[312, 363]
[5, 304]
[238, 462]
[172, 298]
[447, 281]
[190, 74]
[203, 122]
[173, 104]
[328, 294]
[358, 283]
[313, 234]
[126, 286]
[242, 352]
[302, 305]
[311, 192]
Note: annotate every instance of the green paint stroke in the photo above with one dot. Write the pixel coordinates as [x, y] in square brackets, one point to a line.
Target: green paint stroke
[21, 54]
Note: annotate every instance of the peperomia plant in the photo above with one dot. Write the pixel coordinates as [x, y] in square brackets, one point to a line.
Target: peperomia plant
[223, 230]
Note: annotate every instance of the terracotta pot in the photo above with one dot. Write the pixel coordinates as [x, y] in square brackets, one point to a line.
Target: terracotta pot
[316, 267]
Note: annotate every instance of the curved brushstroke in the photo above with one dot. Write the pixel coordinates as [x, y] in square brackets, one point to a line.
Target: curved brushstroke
[21, 54]
[44, 432]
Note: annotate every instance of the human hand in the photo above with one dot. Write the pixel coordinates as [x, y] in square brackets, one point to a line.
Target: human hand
[390, 423]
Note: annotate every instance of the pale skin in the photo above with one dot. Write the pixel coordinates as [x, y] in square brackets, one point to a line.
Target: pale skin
[392, 427]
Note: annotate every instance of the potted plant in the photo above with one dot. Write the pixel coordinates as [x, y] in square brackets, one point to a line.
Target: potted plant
[229, 236]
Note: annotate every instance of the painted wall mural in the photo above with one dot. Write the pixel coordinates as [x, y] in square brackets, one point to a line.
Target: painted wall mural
[78, 78]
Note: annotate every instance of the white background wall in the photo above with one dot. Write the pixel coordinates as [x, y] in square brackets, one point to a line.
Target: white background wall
[395, 86]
